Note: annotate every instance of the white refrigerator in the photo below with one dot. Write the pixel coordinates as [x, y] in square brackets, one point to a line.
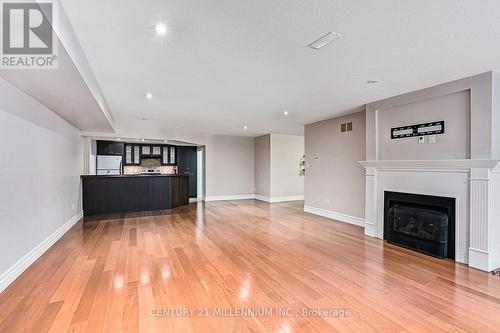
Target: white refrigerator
[109, 165]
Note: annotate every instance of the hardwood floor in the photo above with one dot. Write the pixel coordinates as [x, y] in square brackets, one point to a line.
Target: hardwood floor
[242, 266]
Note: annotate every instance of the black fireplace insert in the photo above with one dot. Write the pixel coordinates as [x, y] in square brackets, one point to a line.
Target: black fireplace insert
[420, 222]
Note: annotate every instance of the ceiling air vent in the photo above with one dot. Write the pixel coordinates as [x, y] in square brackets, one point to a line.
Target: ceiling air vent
[322, 41]
[346, 127]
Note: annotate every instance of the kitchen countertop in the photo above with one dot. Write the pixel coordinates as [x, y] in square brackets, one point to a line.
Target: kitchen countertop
[131, 176]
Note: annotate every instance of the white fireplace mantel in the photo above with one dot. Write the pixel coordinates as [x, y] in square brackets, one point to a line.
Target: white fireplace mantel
[475, 185]
[463, 164]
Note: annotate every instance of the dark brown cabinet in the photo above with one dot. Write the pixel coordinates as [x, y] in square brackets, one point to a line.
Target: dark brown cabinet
[151, 151]
[156, 151]
[122, 194]
[187, 165]
[110, 148]
[169, 155]
[185, 157]
[132, 154]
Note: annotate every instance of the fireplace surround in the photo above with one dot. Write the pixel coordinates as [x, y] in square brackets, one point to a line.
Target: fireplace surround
[473, 184]
[463, 163]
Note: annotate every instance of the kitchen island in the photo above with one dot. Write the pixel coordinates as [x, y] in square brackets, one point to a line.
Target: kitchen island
[111, 194]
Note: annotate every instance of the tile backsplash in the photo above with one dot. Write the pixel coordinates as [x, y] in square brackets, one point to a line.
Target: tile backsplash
[149, 163]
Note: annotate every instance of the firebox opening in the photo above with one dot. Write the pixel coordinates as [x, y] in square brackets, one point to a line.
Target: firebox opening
[422, 223]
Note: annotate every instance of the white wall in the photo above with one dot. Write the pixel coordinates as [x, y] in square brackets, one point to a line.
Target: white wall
[286, 152]
[40, 167]
[494, 246]
[335, 181]
[90, 156]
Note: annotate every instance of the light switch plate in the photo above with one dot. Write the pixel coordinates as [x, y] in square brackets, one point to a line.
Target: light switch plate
[421, 139]
[432, 139]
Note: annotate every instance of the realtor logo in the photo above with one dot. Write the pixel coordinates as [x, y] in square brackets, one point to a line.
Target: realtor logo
[28, 39]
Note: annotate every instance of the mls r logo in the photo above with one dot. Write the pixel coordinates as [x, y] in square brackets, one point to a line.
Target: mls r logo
[27, 28]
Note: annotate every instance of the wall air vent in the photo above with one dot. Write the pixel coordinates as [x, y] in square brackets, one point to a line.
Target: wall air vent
[346, 127]
[322, 41]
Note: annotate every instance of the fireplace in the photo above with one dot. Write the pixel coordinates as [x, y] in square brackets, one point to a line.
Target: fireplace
[422, 223]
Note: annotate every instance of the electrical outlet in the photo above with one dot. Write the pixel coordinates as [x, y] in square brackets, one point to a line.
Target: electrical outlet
[316, 200]
[73, 206]
[316, 156]
[327, 201]
[432, 139]
[421, 139]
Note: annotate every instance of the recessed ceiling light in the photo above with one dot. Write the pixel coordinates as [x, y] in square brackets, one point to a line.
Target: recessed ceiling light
[119, 139]
[149, 95]
[161, 29]
[322, 41]
[372, 81]
[245, 128]
[285, 113]
[165, 141]
[142, 140]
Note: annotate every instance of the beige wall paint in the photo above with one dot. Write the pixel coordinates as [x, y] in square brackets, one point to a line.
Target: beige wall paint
[277, 160]
[230, 166]
[473, 95]
[335, 181]
[453, 108]
[286, 152]
[262, 165]
[495, 110]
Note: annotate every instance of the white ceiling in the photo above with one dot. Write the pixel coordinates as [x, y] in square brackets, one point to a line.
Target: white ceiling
[229, 63]
[70, 90]
[62, 90]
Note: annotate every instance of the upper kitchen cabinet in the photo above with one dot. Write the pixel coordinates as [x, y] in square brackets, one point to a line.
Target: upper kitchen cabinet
[110, 148]
[132, 154]
[172, 155]
[156, 150]
[137, 155]
[145, 150]
[169, 155]
[151, 151]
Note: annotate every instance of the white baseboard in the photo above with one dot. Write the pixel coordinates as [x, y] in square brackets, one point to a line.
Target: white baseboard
[335, 216]
[230, 197]
[254, 196]
[7, 277]
[262, 198]
[371, 231]
[279, 199]
[193, 200]
[480, 259]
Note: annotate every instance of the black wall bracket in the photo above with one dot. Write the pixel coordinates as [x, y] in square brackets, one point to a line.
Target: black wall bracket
[436, 127]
